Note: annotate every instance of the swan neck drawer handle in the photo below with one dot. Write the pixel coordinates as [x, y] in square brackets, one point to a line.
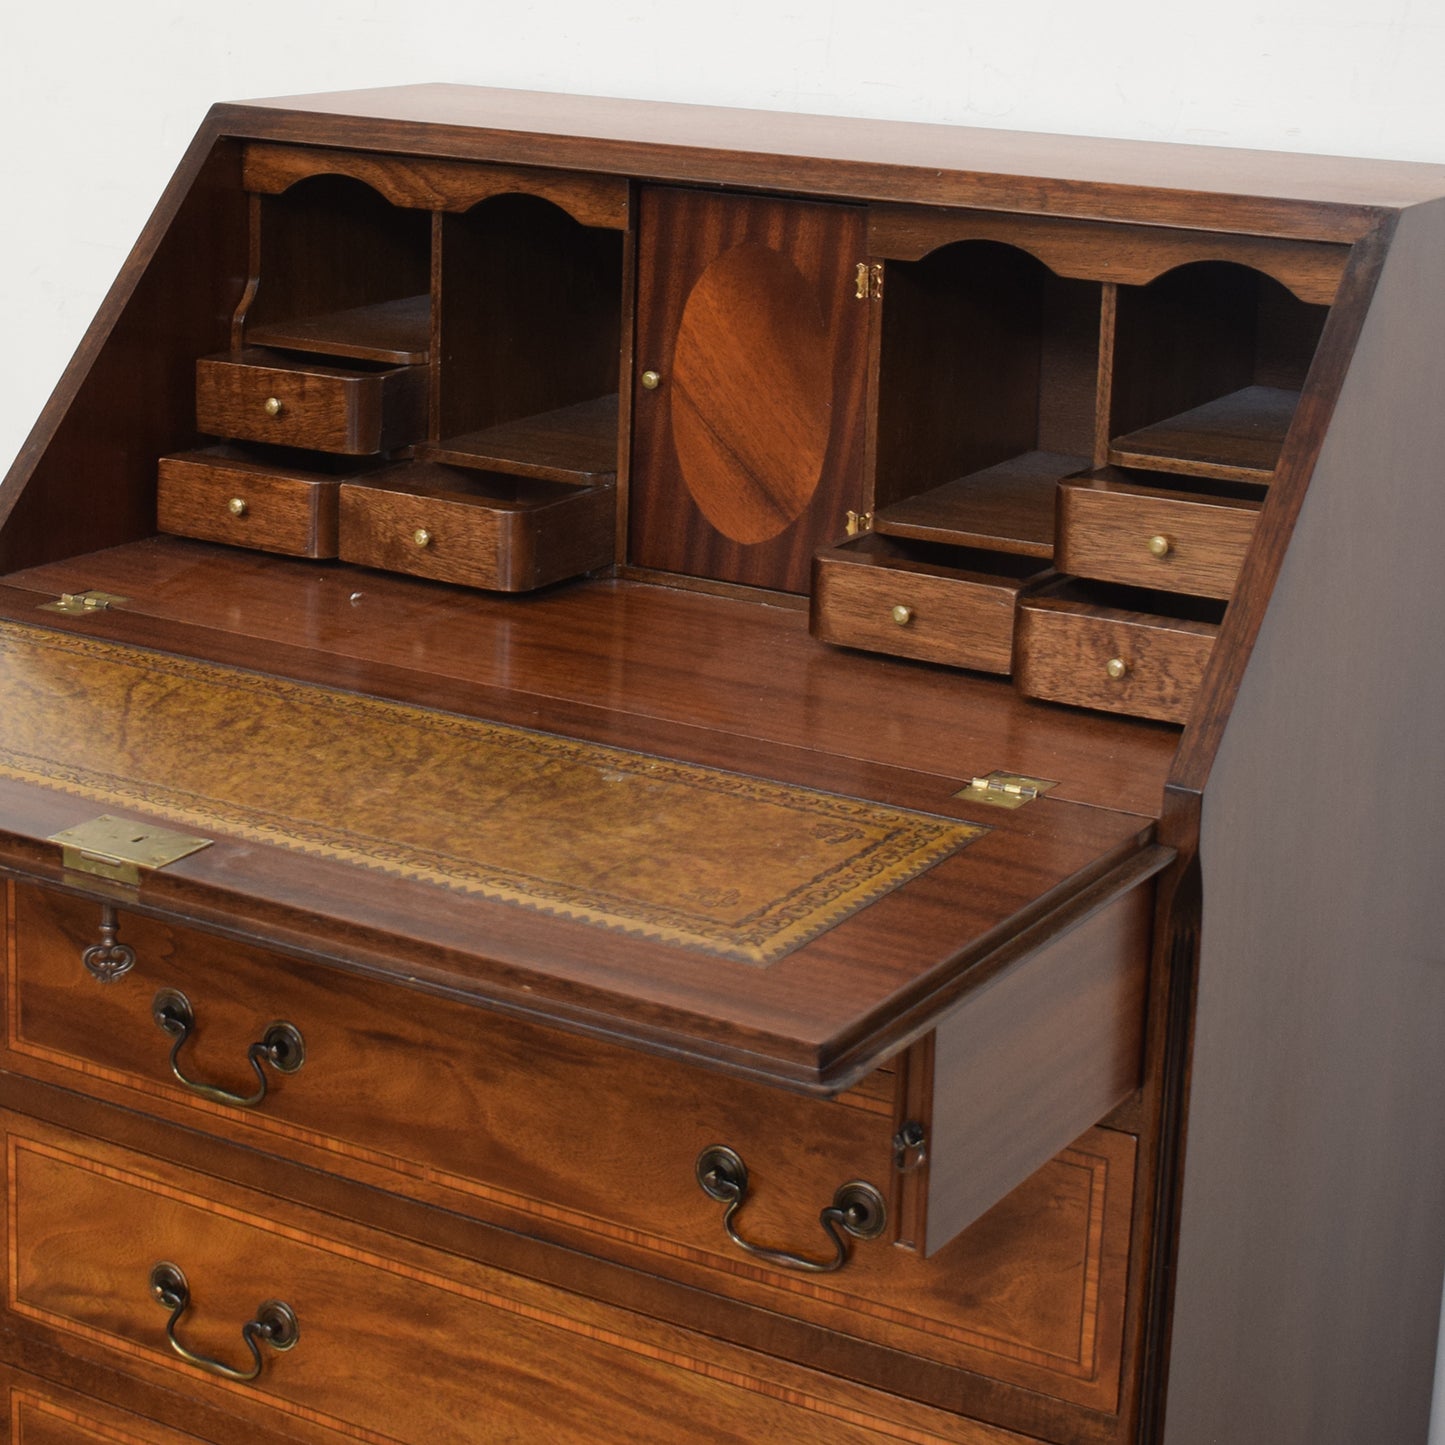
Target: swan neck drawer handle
[858, 1211]
[281, 1046]
[274, 1324]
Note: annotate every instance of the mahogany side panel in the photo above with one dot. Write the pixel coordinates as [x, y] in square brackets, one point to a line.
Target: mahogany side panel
[85, 477]
[1312, 1228]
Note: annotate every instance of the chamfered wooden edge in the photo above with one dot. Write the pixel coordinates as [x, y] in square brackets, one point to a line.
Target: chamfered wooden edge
[33, 449]
[1260, 570]
[609, 130]
[188, 892]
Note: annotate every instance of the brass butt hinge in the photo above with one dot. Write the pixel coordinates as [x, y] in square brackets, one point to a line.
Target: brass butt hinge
[118, 848]
[1005, 790]
[78, 602]
[868, 281]
[857, 522]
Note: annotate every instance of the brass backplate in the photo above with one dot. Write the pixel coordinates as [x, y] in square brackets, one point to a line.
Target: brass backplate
[1005, 790]
[119, 848]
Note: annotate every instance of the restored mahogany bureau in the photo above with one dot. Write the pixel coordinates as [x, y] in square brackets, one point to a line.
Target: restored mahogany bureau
[671, 775]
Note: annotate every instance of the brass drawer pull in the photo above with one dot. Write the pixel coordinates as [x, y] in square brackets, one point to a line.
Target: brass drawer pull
[275, 1323]
[858, 1209]
[273, 406]
[109, 958]
[281, 1046]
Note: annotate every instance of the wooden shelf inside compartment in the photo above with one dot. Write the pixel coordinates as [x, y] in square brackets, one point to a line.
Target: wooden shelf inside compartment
[1004, 508]
[395, 331]
[1235, 437]
[575, 444]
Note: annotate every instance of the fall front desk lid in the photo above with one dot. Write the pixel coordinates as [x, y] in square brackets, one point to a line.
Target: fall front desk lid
[630, 885]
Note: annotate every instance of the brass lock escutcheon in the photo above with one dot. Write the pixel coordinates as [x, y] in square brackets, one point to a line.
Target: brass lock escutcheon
[858, 1211]
[274, 1324]
[281, 1046]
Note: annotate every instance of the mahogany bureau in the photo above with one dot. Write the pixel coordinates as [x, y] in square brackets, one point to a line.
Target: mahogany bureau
[677, 775]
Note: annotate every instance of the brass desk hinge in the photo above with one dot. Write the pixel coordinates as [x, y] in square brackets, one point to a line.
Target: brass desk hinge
[1005, 790]
[118, 849]
[857, 522]
[78, 602]
[868, 281]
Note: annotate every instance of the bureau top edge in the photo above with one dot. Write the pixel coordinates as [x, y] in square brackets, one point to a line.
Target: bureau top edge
[1266, 192]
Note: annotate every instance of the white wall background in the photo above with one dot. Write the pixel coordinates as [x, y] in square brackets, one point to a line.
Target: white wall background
[98, 99]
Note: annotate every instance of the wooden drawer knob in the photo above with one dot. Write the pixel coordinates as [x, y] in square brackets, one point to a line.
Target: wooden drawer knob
[237, 507]
[1159, 545]
[902, 615]
[1117, 668]
[273, 406]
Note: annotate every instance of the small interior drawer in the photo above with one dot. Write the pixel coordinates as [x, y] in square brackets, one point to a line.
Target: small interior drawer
[952, 605]
[356, 409]
[1171, 533]
[476, 528]
[1117, 649]
[273, 502]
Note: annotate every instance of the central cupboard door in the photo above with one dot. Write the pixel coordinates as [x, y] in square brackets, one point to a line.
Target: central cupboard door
[749, 381]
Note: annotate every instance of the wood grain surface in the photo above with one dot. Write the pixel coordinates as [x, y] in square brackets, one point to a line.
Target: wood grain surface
[287, 506]
[958, 606]
[1254, 192]
[1068, 638]
[324, 407]
[508, 1116]
[476, 528]
[370, 1314]
[431, 185]
[1108, 522]
[748, 453]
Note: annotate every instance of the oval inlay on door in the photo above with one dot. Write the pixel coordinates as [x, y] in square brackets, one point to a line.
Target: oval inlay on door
[751, 393]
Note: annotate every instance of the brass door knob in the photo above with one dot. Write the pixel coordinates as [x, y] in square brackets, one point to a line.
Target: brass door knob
[902, 615]
[1116, 667]
[651, 380]
[237, 506]
[273, 406]
[421, 537]
[1160, 545]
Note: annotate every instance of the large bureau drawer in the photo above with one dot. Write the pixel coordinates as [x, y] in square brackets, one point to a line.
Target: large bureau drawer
[133, 1260]
[596, 1146]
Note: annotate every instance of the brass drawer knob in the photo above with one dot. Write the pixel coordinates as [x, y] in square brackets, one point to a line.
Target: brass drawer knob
[237, 507]
[273, 406]
[1159, 545]
[651, 380]
[902, 615]
[421, 537]
[1117, 668]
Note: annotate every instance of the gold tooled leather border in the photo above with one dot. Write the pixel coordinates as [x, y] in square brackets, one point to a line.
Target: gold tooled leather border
[742, 867]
